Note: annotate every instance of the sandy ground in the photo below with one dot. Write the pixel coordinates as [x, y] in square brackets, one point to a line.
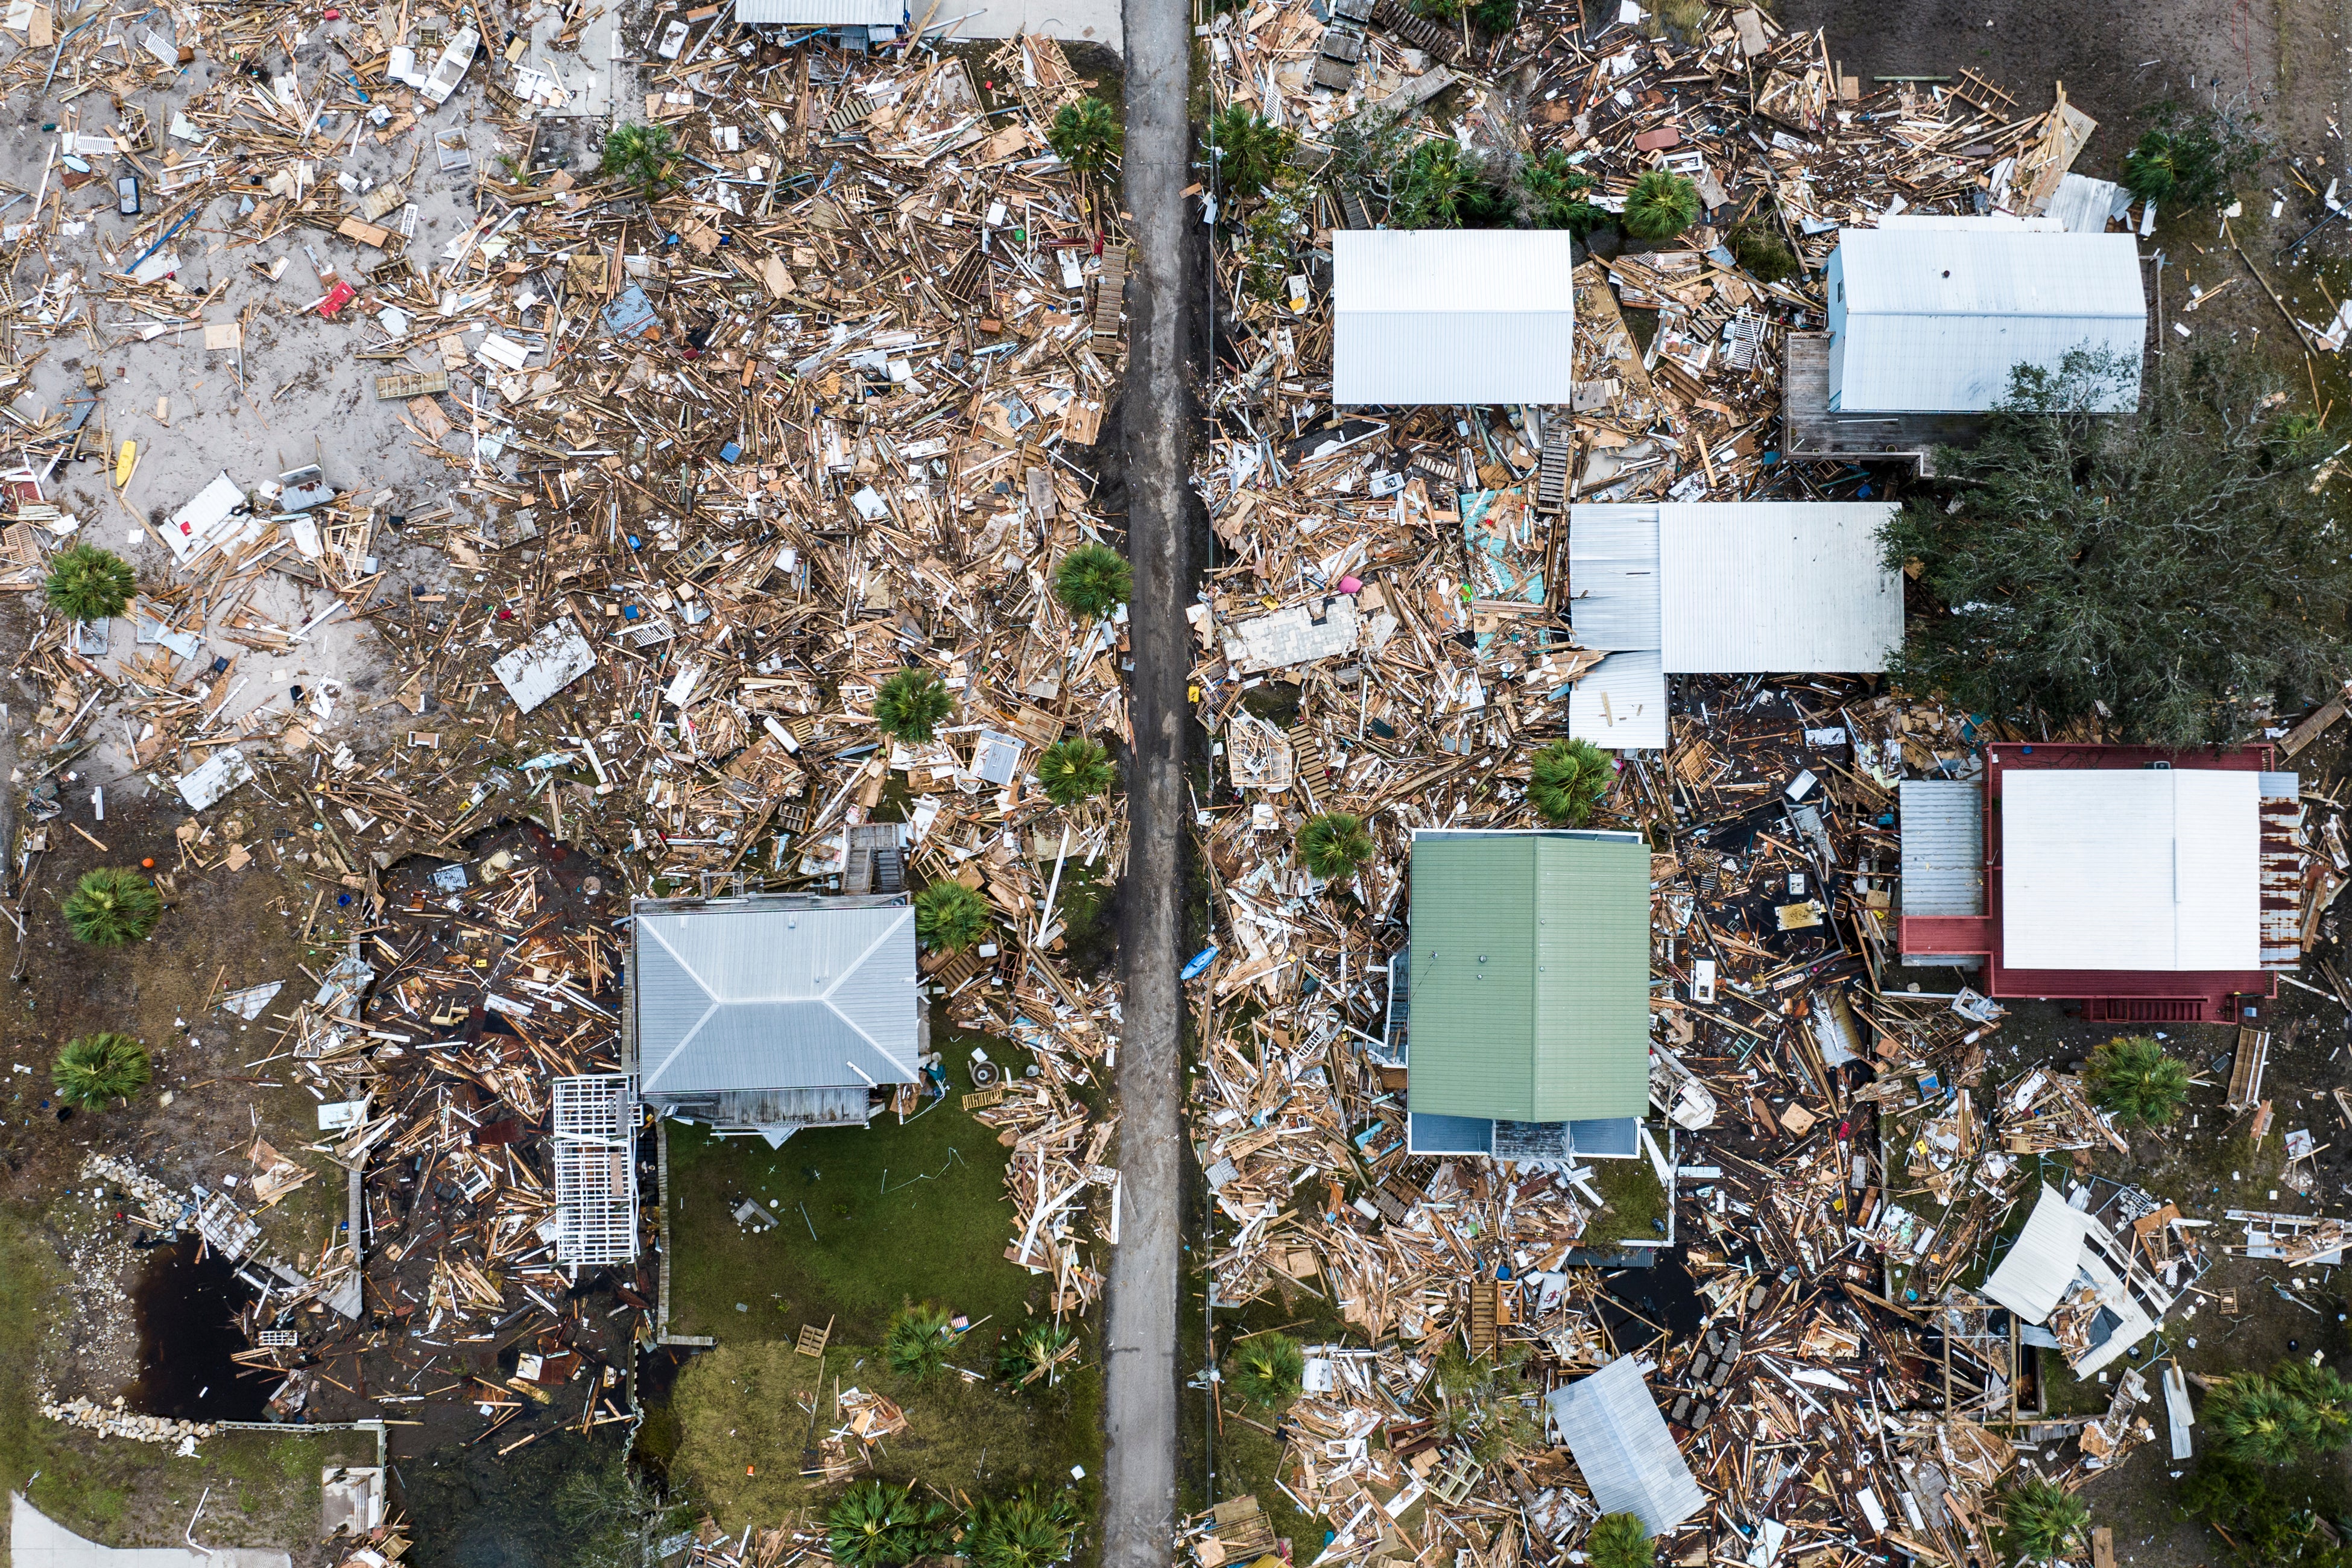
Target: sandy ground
[2287, 61]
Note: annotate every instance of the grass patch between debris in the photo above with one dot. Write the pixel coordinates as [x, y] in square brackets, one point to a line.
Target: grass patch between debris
[1635, 1198]
[743, 1411]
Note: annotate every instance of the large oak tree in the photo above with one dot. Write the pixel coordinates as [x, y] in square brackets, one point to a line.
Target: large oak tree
[2181, 570]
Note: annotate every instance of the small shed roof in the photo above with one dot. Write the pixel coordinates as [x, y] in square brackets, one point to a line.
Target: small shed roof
[1449, 316]
[1612, 1425]
[1530, 965]
[1764, 586]
[2131, 869]
[768, 993]
[1935, 319]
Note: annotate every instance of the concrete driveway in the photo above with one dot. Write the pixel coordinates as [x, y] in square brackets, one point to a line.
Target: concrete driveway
[37, 1540]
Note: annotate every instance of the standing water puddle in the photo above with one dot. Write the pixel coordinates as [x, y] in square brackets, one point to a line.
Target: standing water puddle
[187, 1313]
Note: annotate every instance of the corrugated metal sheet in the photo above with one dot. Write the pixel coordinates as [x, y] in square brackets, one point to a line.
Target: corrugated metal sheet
[1631, 1465]
[1612, 576]
[1942, 847]
[1773, 586]
[1621, 703]
[822, 13]
[1451, 316]
[2155, 869]
[773, 994]
[1936, 319]
[1531, 972]
[2041, 1262]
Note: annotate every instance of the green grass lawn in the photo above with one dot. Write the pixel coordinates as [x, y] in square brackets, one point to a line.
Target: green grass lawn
[900, 1213]
[1634, 1198]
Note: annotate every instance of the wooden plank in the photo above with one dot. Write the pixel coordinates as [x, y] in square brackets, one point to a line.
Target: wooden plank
[2311, 728]
[364, 231]
[2246, 1068]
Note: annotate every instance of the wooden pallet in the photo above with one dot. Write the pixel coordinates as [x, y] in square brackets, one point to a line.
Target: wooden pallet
[403, 385]
[967, 282]
[1486, 1316]
[1311, 769]
[814, 1339]
[1980, 91]
[1110, 291]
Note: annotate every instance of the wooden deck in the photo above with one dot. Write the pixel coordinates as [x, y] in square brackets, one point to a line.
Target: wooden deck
[1809, 429]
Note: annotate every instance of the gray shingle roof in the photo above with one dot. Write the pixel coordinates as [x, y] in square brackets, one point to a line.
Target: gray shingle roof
[772, 994]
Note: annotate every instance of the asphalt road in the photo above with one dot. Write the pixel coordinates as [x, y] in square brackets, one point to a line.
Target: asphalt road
[1139, 1394]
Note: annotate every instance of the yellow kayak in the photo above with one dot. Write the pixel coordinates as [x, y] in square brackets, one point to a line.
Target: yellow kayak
[124, 462]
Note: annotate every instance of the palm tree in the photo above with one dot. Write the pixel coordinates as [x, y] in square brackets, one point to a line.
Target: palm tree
[1567, 780]
[2255, 1420]
[916, 1344]
[1660, 205]
[112, 905]
[640, 155]
[1249, 150]
[2135, 1079]
[2326, 1398]
[98, 1069]
[910, 705]
[1075, 769]
[1085, 135]
[1266, 1370]
[89, 583]
[1334, 844]
[2041, 1519]
[875, 1526]
[1027, 1529]
[1033, 1354]
[950, 917]
[1092, 581]
[1618, 1541]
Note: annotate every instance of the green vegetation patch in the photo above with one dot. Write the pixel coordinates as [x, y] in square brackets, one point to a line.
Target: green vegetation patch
[744, 1410]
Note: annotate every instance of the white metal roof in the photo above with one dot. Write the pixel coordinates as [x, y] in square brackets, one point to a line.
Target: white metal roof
[759, 994]
[1631, 1465]
[1612, 576]
[823, 13]
[1764, 586]
[1935, 319]
[2139, 869]
[2043, 1259]
[1448, 316]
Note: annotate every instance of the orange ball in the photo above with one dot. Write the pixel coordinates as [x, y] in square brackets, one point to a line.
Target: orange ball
[148, 863]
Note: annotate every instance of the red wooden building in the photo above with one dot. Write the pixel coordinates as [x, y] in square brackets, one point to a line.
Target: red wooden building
[2152, 886]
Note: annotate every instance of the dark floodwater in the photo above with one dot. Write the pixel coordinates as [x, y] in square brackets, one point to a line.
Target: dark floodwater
[1663, 1293]
[187, 1314]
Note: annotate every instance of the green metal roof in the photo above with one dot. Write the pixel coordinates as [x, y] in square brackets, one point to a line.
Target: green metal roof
[1530, 976]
